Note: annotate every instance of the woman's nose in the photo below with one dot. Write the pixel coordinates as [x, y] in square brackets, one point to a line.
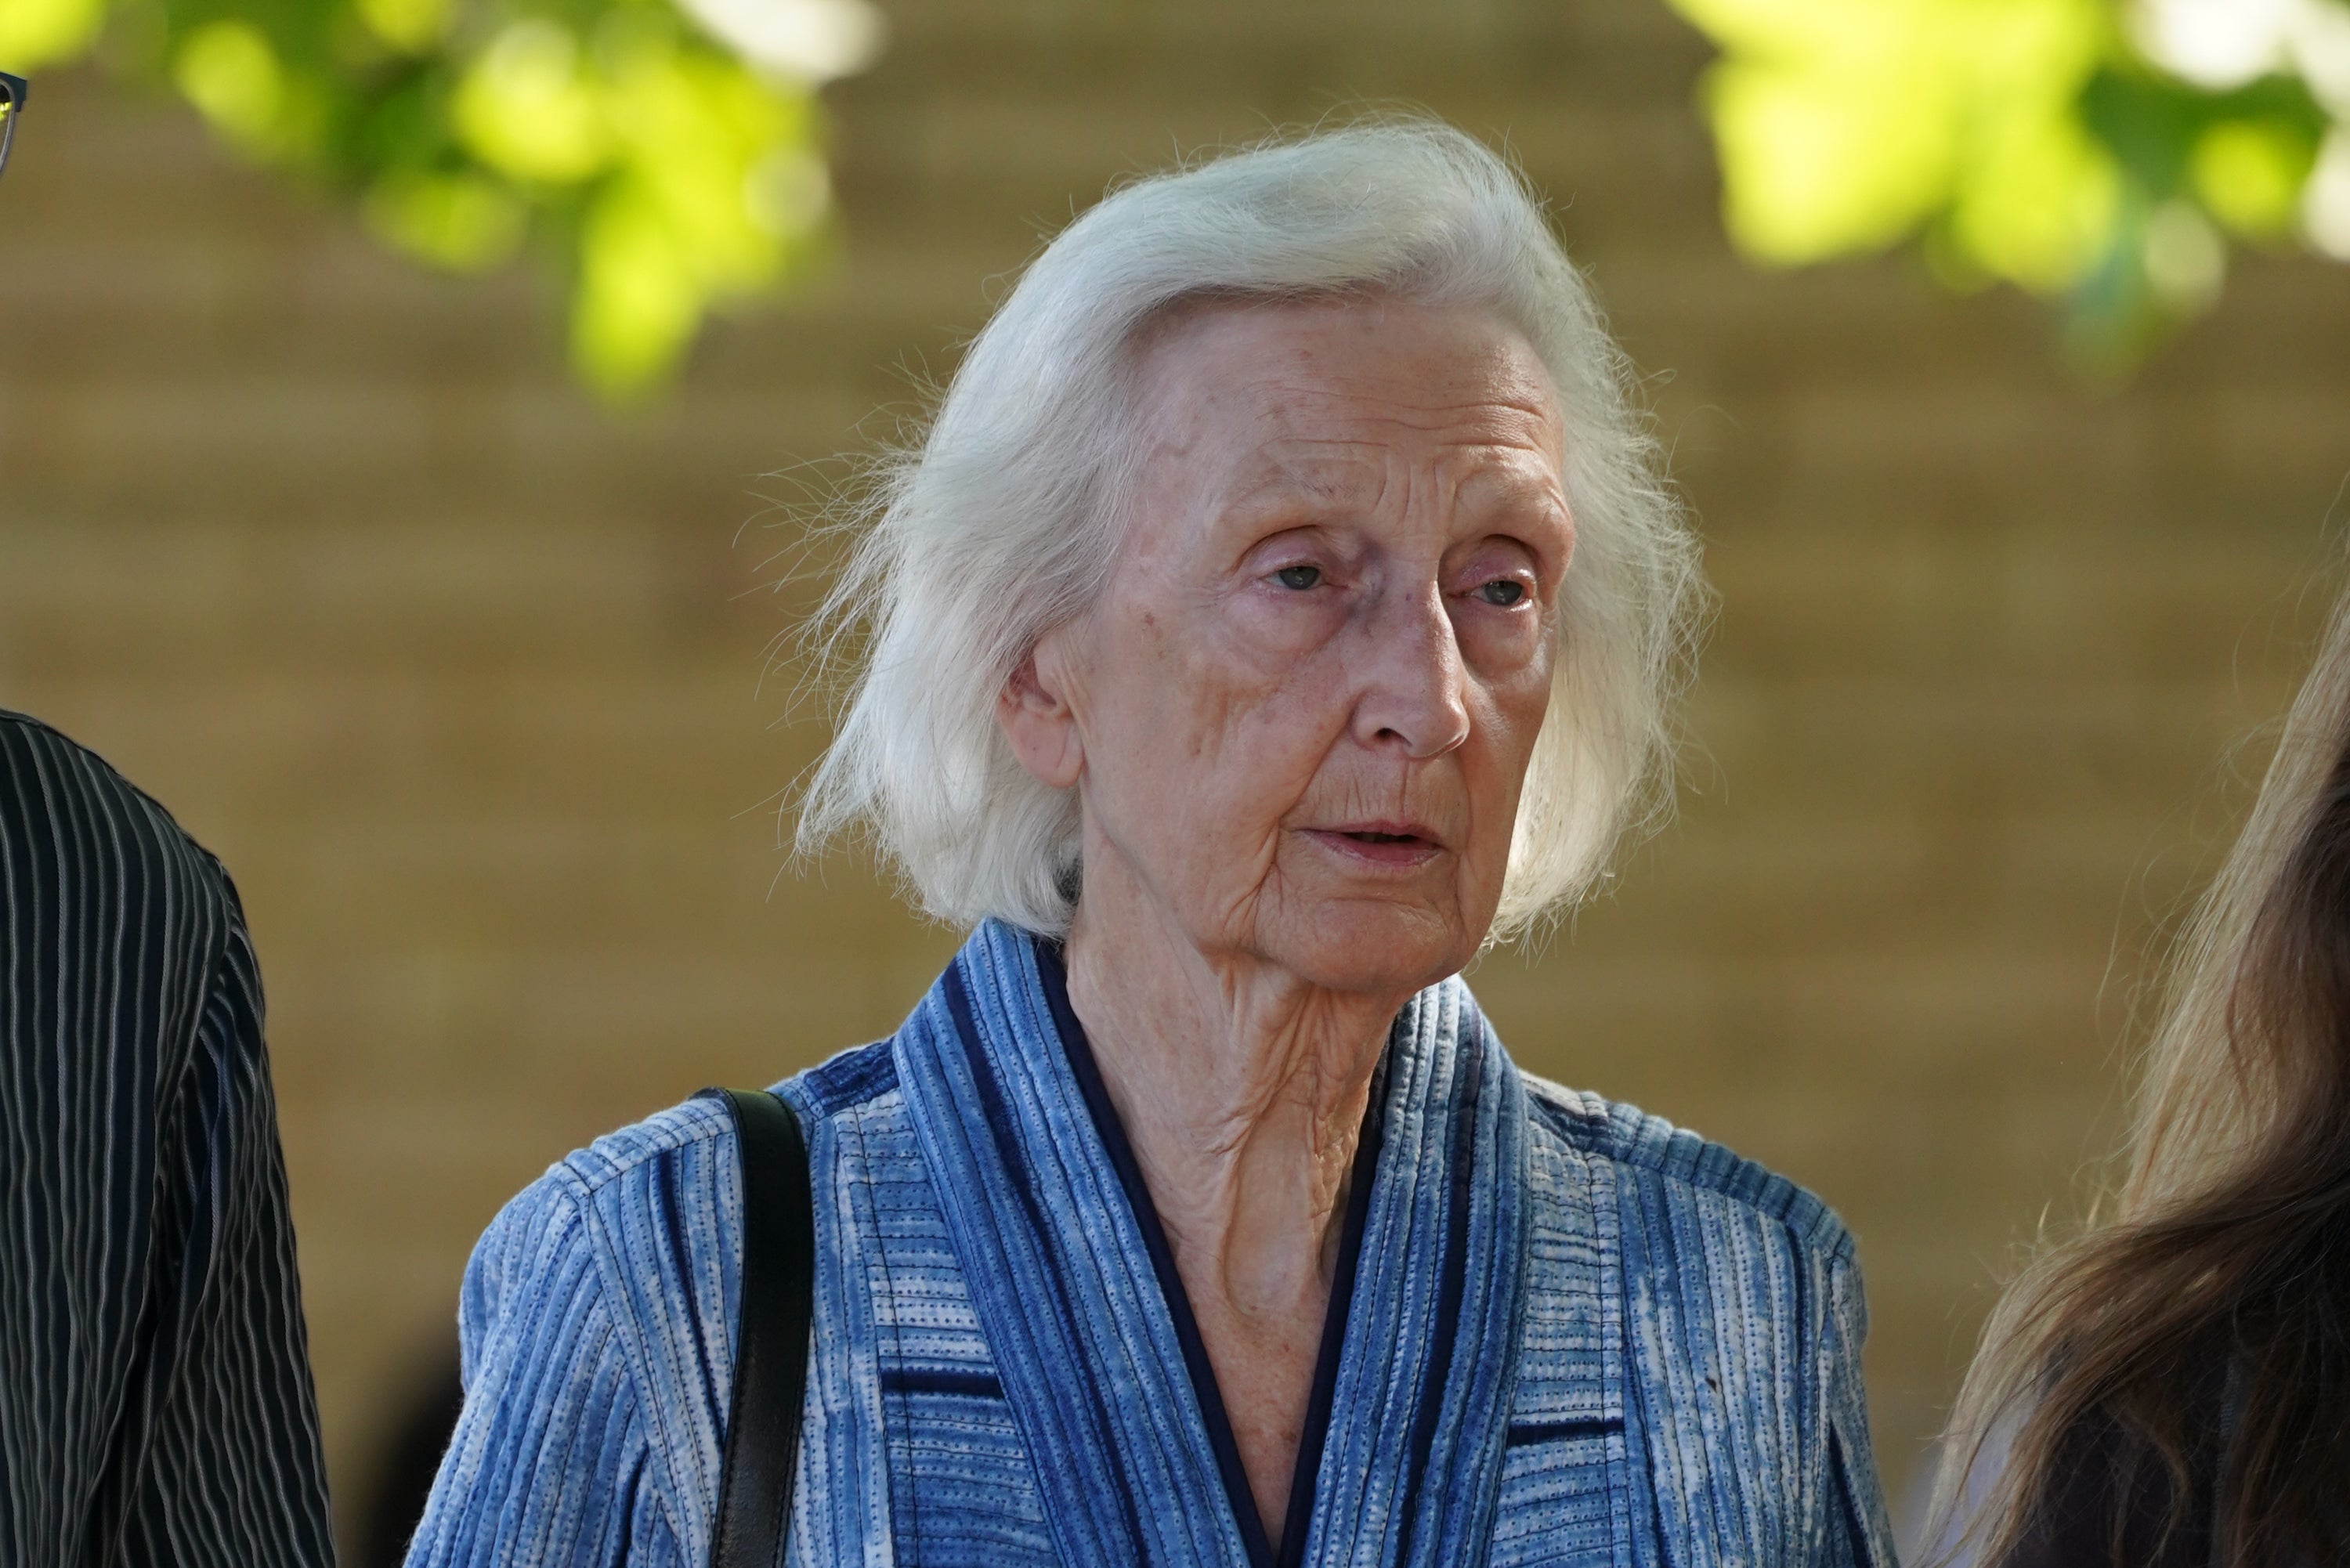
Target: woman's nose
[1409, 692]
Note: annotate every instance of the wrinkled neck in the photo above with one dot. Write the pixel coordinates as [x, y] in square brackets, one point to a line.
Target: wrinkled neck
[1243, 1092]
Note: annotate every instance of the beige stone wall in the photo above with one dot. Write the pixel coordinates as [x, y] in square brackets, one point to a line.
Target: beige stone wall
[461, 675]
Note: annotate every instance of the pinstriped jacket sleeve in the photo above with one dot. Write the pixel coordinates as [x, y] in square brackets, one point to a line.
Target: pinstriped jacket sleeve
[551, 1463]
[155, 1396]
[235, 1475]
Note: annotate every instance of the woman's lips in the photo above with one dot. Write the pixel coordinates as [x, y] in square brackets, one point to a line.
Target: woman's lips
[1400, 845]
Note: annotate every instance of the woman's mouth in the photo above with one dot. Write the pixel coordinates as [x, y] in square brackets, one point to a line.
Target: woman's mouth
[1400, 845]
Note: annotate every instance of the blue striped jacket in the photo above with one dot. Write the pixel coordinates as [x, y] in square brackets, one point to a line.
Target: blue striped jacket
[1563, 1333]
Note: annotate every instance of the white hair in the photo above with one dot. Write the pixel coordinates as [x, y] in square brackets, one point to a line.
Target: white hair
[1000, 523]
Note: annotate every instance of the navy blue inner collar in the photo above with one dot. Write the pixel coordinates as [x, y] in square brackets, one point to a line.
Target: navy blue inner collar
[1112, 1132]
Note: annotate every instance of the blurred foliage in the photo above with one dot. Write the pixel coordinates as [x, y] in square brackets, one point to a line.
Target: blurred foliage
[2099, 153]
[661, 168]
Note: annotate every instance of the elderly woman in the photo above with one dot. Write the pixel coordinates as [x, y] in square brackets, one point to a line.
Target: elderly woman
[1281, 604]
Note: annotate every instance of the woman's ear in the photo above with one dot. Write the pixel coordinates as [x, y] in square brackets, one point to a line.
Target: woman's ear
[1034, 712]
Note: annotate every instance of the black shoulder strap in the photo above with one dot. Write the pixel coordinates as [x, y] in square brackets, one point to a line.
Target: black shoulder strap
[771, 1341]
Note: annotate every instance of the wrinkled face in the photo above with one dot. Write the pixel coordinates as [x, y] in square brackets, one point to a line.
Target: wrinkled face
[1301, 712]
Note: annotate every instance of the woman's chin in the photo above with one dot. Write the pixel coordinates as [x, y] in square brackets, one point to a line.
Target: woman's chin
[1372, 944]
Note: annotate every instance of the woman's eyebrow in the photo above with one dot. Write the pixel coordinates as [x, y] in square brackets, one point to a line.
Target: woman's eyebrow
[1273, 478]
[1511, 483]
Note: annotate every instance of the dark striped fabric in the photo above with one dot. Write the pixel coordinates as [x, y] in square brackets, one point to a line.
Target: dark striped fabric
[155, 1397]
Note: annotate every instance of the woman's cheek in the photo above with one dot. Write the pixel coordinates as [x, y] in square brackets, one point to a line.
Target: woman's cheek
[1516, 705]
[1504, 649]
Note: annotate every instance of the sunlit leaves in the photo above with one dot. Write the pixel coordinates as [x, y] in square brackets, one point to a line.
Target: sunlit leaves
[410, 27]
[37, 33]
[228, 70]
[682, 218]
[2249, 174]
[2079, 149]
[530, 107]
[461, 219]
[1844, 124]
[664, 172]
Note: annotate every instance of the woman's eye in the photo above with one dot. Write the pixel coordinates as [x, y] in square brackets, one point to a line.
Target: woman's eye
[1501, 591]
[1298, 578]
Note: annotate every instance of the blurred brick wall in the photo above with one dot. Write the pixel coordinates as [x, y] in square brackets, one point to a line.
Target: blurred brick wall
[461, 674]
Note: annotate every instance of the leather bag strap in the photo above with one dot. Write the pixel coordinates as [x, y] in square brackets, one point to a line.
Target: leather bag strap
[771, 1340]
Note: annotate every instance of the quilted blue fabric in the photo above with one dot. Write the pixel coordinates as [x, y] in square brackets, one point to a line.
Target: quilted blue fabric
[1575, 1335]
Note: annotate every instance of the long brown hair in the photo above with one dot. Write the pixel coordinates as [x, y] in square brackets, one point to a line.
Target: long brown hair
[2205, 1325]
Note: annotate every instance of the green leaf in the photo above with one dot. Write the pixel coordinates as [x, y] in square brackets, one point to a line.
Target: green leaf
[2022, 141]
[38, 32]
[666, 176]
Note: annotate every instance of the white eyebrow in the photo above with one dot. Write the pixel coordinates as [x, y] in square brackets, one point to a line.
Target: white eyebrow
[1327, 478]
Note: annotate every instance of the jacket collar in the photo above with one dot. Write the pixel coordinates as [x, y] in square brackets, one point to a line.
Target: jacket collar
[1091, 1353]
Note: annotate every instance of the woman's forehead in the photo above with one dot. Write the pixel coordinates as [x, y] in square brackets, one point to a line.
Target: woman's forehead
[1269, 357]
[1353, 475]
[1308, 395]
